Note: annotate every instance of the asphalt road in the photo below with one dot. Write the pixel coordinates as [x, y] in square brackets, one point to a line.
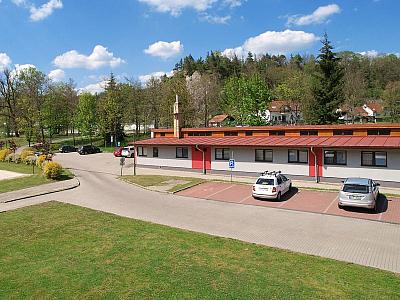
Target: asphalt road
[352, 240]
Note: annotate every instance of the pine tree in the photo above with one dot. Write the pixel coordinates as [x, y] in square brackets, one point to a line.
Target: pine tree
[327, 87]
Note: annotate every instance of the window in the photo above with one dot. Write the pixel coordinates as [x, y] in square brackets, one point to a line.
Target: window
[182, 152]
[162, 134]
[142, 151]
[249, 133]
[200, 133]
[230, 133]
[263, 155]
[155, 152]
[374, 159]
[297, 156]
[343, 132]
[222, 154]
[335, 157]
[308, 132]
[277, 132]
[378, 131]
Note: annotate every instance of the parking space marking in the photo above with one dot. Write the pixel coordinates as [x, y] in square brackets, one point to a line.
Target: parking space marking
[244, 199]
[333, 201]
[227, 188]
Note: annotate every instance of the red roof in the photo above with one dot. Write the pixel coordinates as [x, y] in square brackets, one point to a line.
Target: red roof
[281, 141]
[218, 118]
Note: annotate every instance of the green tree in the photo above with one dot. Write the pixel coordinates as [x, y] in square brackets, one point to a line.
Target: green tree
[391, 97]
[246, 99]
[327, 87]
[34, 89]
[110, 111]
[86, 115]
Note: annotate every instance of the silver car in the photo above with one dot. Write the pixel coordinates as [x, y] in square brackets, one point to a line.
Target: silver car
[359, 192]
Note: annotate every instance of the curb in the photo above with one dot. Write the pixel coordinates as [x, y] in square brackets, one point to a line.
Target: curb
[32, 192]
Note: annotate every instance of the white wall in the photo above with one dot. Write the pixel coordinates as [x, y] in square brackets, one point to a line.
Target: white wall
[166, 158]
[354, 168]
[245, 162]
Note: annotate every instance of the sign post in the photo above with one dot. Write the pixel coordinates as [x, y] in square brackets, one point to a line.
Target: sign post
[122, 163]
[231, 166]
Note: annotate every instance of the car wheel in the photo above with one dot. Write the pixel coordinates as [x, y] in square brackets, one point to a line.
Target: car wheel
[290, 187]
[279, 196]
[339, 206]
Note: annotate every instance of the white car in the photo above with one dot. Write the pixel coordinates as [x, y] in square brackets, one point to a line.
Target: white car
[359, 192]
[127, 151]
[271, 185]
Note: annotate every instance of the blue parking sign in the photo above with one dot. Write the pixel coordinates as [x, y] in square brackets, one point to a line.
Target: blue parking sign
[232, 163]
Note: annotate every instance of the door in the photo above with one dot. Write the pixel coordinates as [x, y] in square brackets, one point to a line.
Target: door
[197, 158]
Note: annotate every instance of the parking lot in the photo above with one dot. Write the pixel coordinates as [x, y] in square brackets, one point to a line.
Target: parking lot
[322, 202]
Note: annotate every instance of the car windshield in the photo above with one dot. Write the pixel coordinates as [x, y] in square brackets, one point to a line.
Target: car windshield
[356, 188]
[265, 181]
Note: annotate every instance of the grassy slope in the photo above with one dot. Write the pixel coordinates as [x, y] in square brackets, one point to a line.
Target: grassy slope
[155, 180]
[27, 181]
[56, 250]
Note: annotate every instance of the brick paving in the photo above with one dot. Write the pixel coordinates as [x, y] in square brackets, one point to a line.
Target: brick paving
[322, 202]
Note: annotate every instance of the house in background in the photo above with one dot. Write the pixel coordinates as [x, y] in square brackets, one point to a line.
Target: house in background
[282, 112]
[220, 120]
[370, 112]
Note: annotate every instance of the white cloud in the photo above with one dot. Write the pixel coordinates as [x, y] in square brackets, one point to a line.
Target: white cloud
[165, 50]
[19, 2]
[175, 7]
[215, 19]
[57, 75]
[19, 68]
[274, 42]
[94, 88]
[145, 78]
[374, 54]
[42, 12]
[5, 61]
[370, 53]
[233, 3]
[100, 57]
[320, 15]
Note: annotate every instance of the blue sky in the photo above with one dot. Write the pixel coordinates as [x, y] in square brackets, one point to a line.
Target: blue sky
[86, 40]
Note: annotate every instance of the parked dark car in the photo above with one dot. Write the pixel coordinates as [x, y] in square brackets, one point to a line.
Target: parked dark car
[67, 149]
[88, 150]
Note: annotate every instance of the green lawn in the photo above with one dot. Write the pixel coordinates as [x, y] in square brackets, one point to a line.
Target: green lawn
[56, 250]
[159, 180]
[14, 184]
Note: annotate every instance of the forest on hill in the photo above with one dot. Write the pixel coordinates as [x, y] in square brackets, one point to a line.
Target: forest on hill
[32, 105]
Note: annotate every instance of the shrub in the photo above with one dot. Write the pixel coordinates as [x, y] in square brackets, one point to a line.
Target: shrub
[4, 153]
[30, 160]
[9, 158]
[52, 170]
[40, 160]
[25, 153]
[17, 158]
[13, 158]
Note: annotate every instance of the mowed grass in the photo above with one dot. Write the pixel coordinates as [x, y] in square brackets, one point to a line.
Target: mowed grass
[159, 180]
[32, 180]
[56, 250]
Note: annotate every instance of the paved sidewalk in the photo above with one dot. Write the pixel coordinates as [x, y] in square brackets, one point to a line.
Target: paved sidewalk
[249, 179]
[10, 175]
[39, 190]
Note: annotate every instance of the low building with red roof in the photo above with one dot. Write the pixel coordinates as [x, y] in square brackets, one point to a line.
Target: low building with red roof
[316, 152]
